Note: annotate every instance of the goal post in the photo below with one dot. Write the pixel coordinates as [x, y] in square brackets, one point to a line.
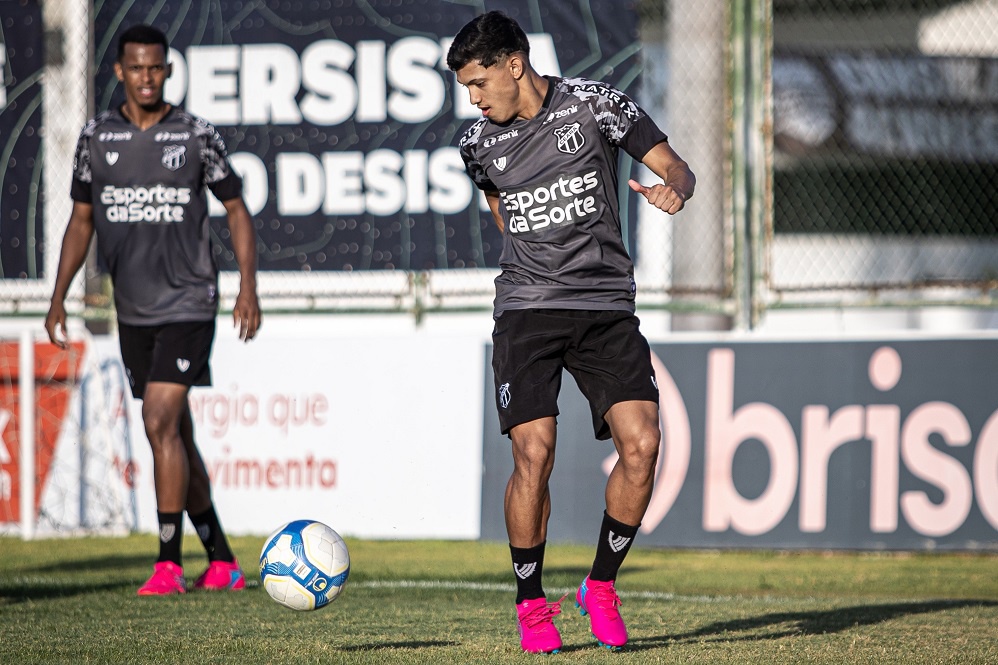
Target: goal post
[26, 430]
[65, 452]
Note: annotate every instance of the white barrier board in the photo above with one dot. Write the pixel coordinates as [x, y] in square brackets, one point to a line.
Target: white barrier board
[378, 435]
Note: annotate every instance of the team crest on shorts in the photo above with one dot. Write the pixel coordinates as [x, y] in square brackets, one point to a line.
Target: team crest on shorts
[504, 395]
[570, 138]
[174, 156]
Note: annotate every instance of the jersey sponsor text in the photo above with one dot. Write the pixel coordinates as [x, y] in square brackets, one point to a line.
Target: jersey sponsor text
[164, 137]
[492, 140]
[145, 204]
[559, 202]
[111, 137]
[557, 115]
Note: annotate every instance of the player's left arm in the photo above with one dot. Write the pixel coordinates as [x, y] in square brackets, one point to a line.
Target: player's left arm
[246, 312]
[624, 124]
[678, 181]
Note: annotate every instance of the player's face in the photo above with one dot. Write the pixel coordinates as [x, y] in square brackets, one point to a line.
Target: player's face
[143, 70]
[493, 90]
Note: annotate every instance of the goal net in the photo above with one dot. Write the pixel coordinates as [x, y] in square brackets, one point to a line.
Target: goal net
[65, 452]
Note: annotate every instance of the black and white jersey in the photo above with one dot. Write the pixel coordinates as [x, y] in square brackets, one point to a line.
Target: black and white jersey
[556, 175]
[150, 211]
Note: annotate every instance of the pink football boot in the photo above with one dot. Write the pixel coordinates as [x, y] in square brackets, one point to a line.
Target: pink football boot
[535, 619]
[167, 579]
[600, 601]
[221, 576]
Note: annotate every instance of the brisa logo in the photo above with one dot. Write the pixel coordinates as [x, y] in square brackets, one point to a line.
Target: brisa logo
[799, 470]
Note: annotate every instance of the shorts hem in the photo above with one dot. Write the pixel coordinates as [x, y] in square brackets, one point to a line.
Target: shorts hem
[526, 418]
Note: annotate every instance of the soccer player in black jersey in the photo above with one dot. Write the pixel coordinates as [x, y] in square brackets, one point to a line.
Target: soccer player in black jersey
[139, 182]
[545, 154]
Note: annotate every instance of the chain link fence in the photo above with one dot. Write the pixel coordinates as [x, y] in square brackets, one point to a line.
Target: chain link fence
[688, 260]
[846, 153]
[885, 138]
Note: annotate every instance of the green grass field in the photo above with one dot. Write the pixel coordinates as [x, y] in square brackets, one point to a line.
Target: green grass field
[73, 601]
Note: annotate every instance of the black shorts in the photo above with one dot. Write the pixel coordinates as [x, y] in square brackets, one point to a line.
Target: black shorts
[604, 350]
[172, 353]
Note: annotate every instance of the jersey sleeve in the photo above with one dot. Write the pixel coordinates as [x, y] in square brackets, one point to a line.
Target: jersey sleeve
[642, 137]
[218, 174]
[620, 119]
[81, 189]
[468, 147]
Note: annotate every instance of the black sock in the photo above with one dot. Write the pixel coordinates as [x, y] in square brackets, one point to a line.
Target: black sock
[171, 536]
[528, 564]
[615, 541]
[211, 535]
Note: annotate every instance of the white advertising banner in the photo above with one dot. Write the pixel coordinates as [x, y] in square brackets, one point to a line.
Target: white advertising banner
[378, 435]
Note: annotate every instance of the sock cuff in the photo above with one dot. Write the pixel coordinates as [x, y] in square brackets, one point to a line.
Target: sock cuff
[203, 516]
[527, 554]
[619, 527]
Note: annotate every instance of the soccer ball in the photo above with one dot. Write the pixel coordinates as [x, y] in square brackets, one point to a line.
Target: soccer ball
[304, 565]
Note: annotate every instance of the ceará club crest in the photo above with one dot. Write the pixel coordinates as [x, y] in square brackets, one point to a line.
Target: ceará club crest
[174, 156]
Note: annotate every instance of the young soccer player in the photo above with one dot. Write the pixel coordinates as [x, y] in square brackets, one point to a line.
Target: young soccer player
[545, 154]
[139, 182]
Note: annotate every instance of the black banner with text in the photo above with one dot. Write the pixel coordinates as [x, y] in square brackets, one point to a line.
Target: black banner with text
[22, 225]
[343, 118]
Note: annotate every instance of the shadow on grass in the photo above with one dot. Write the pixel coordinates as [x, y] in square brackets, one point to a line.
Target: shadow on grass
[49, 590]
[73, 577]
[778, 625]
[578, 571]
[554, 576]
[382, 646]
[96, 564]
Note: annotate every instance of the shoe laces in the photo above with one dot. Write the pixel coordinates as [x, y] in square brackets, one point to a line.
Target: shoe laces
[605, 596]
[542, 613]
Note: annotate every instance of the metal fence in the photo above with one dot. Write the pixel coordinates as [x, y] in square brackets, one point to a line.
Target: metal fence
[846, 154]
[885, 152]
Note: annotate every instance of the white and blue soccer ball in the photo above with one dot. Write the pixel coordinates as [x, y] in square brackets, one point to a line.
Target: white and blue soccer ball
[304, 565]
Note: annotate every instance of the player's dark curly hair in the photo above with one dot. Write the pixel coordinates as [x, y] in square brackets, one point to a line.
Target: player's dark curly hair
[142, 34]
[487, 39]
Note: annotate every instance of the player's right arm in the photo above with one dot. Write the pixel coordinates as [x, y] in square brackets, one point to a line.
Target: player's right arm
[494, 203]
[468, 147]
[75, 244]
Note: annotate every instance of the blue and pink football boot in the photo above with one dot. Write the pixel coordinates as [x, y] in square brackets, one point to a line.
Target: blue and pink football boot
[600, 601]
